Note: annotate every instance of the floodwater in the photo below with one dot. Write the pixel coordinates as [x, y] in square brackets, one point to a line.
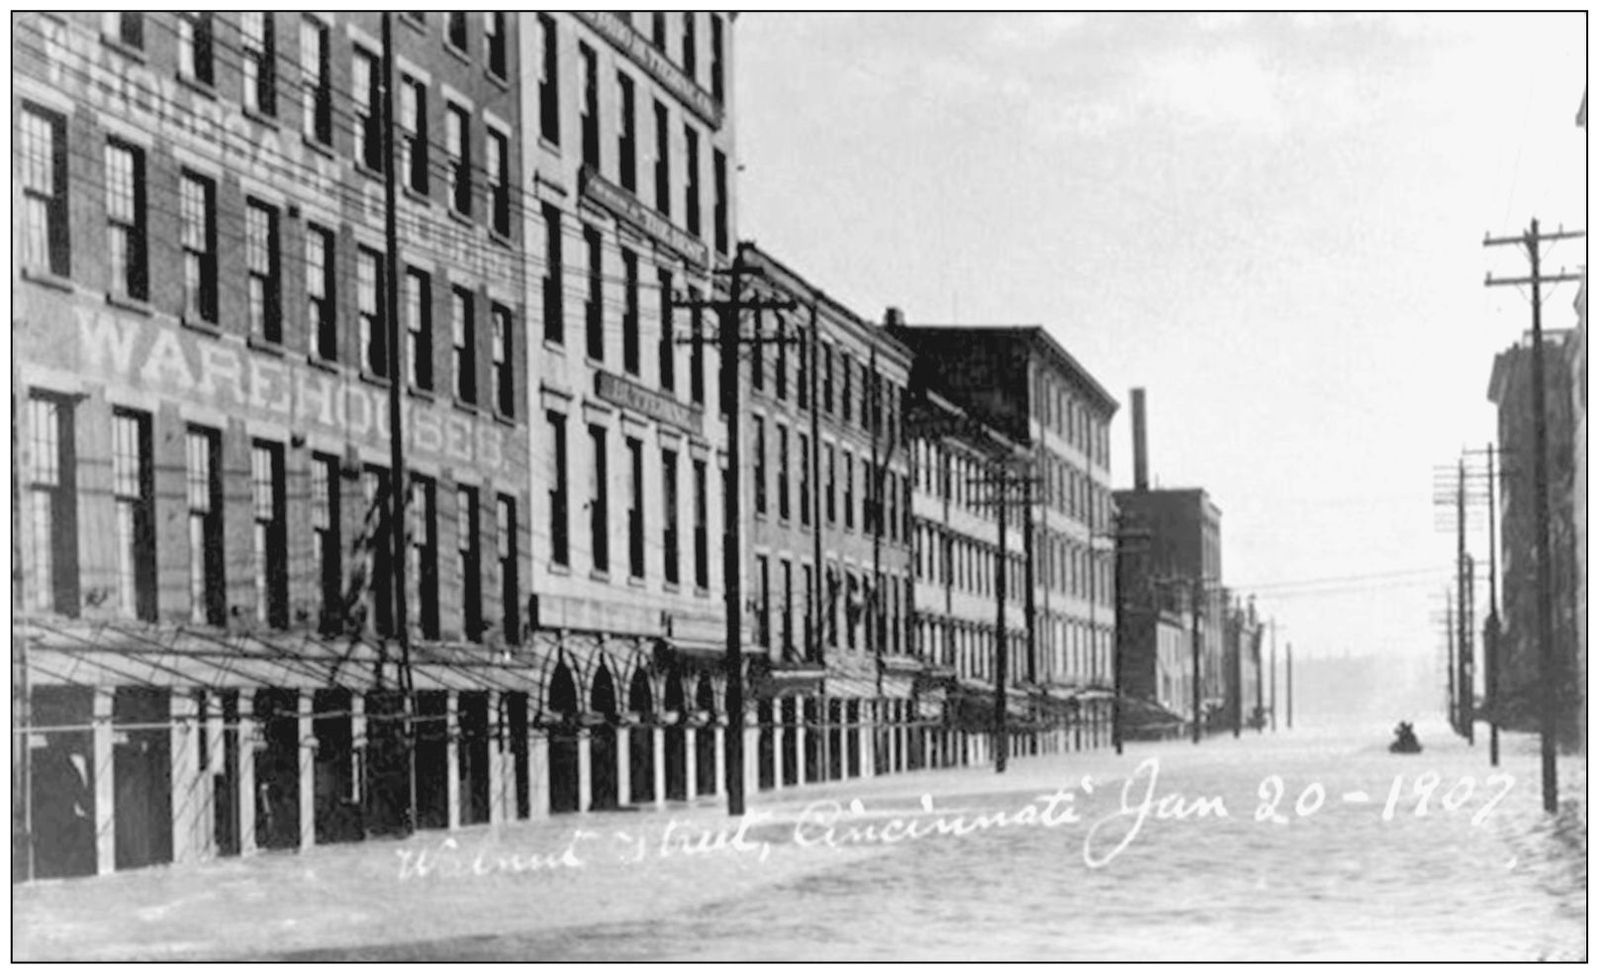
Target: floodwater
[947, 865]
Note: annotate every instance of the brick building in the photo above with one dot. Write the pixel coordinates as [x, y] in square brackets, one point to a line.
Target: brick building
[203, 626]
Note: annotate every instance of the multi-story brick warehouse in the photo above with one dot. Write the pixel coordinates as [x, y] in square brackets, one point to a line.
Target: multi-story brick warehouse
[1022, 383]
[203, 626]
[627, 133]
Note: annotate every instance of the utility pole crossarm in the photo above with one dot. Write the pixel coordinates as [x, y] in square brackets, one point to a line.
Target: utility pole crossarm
[1562, 277]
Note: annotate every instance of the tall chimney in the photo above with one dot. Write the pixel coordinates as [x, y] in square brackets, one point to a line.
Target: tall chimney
[1137, 410]
[893, 316]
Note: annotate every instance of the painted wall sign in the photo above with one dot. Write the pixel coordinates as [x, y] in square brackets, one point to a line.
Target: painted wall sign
[624, 393]
[625, 39]
[628, 208]
[167, 359]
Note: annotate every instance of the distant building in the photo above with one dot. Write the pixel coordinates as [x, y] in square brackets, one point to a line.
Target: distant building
[1579, 402]
[1173, 573]
[1022, 383]
[1242, 663]
[1510, 390]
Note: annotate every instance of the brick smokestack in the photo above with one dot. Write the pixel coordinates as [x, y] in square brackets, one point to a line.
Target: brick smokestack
[1137, 410]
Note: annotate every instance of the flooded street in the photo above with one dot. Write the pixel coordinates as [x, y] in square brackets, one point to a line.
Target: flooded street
[1193, 864]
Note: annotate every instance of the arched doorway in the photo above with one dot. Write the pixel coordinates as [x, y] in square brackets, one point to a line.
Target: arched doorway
[564, 793]
[676, 750]
[606, 791]
[640, 700]
[705, 738]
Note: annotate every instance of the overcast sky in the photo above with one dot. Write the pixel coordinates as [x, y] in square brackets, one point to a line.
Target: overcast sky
[1273, 223]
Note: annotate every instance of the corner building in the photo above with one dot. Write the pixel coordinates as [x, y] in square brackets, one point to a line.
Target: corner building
[627, 134]
[205, 647]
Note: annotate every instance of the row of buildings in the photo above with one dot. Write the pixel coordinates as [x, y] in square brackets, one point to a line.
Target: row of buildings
[1517, 700]
[216, 335]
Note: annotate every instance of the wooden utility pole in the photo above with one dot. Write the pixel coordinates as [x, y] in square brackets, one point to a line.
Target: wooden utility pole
[1196, 659]
[1463, 689]
[399, 473]
[1490, 631]
[1549, 680]
[728, 309]
[1001, 657]
[1274, 675]
[1290, 695]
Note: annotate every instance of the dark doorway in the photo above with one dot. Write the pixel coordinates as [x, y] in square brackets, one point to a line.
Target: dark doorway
[676, 748]
[388, 808]
[766, 751]
[602, 748]
[705, 743]
[515, 705]
[474, 761]
[226, 785]
[336, 814]
[790, 721]
[430, 759]
[62, 775]
[640, 702]
[564, 786]
[275, 765]
[835, 739]
[852, 738]
[813, 740]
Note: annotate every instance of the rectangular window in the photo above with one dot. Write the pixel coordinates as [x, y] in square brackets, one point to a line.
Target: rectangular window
[371, 324]
[422, 555]
[598, 504]
[553, 278]
[367, 110]
[503, 360]
[701, 526]
[634, 511]
[134, 493]
[662, 159]
[128, 29]
[263, 271]
[464, 344]
[667, 333]
[788, 609]
[198, 234]
[315, 54]
[827, 376]
[257, 61]
[558, 492]
[830, 476]
[42, 159]
[849, 490]
[719, 173]
[325, 499]
[781, 363]
[626, 145]
[412, 119]
[587, 67]
[204, 490]
[376, 543]
[497, 181]
[691, 140]
[458, 158]
[868, 504]
[458, 31]
[416, 315]
[760, 465]
[690, 47]
[783, 486]
[497, 45]
[52, 488]
[718, 59]
[509, 567]
[195, 46]
[321, 329]
[126, 220]
[657, 36]
[631, 355]
[673, 555]
[469, 560]
[548, 86]
[594, 311]
[805, 455]
[763, 601]
[696, 357]
[802, 378]
[268, 534]
[849, 385]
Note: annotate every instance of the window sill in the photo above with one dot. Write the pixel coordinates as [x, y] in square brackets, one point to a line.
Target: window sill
[422, 393]
[671, 588]
[319, 362]
[550, 145]
[270, 346]
[468, 220]
[501, 238]
[126, 50]
[598, 576]
[558, 569]
[47, 278]
[421, 197]
[460, 53]
[201, 325]
[637, 582]
[503, 418]
[417, 23]
[364, 169]
[325, 149]
[553, 346]
[205, 89]
[468, 406]
[375, 379]
[260, 117]
[502, 81]
[129, 303]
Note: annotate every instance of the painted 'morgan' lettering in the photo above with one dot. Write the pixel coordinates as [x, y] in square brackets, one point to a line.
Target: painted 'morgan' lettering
[167, 359]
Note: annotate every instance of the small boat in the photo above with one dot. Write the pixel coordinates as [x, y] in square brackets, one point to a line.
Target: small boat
[1406, 741]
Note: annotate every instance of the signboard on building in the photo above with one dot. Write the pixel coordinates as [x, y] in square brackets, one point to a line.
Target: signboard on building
[624, 393]
[642, 52]
[651, 222]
